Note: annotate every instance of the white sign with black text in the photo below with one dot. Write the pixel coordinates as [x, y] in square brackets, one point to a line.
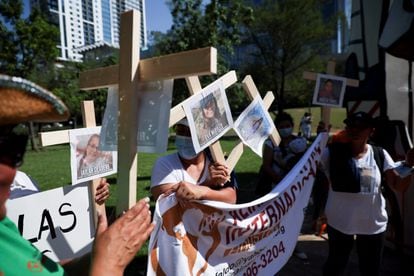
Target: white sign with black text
[59, 222]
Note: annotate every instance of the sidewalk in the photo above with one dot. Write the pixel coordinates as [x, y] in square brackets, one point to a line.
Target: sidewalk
[316, 248]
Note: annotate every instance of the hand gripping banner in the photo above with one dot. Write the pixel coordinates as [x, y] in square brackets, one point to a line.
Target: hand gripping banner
[215, 238]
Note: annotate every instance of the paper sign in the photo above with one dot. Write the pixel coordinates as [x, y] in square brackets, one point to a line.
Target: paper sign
[153, 117]
[87, 160]
[329, 90]
[254, 125]
[208, 114]
[58, 222]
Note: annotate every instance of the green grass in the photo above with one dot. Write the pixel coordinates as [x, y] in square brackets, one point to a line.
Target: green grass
[337, 117]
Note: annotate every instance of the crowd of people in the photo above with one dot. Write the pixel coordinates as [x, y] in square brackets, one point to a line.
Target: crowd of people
[351, 175]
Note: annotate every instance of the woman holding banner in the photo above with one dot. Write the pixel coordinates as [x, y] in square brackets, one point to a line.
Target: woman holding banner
[190, 175]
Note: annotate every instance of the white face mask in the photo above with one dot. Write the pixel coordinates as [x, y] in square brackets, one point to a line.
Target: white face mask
[185, 147]
[285, 132]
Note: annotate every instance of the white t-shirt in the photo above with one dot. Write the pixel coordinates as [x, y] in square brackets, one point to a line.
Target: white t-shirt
[169, 169]
[22, 186]
[364, 212]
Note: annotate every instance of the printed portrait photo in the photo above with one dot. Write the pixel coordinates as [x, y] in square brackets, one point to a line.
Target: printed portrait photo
[329, 90]
[254, 125]
[209, 115]
[87, 161]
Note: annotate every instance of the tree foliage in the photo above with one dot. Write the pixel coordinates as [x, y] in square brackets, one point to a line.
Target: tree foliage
[27, 44]
[217, 24]
[287, 36]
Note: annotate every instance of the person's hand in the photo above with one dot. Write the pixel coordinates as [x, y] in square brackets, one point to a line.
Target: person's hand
[185, 191]
[218, 175]
[409, 158]
[115, 246]
[102, 192]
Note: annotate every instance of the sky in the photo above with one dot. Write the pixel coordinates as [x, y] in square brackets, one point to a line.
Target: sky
[157, 13]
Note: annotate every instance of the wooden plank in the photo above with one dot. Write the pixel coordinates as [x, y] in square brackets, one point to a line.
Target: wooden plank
[189, 63]
[99, 78]
[177, 112]
[352, 82]
[234, 156]
[128, 110]
[180, 65]
[310, 75]
[193, 84]
[250, 87]
[88, 114]
[52, 138]
[267, 101]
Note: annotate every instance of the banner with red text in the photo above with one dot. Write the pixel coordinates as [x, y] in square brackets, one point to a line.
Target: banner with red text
[215, 238]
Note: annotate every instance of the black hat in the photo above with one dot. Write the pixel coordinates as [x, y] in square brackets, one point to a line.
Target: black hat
[360, 118]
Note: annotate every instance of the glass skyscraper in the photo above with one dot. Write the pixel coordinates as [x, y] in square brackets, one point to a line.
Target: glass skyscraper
[86, 24]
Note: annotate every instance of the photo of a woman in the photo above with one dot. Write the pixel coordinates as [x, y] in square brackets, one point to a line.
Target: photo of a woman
[87, 161]
[211, 121]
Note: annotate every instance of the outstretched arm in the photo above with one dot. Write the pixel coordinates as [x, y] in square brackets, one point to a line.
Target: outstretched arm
[115, 246]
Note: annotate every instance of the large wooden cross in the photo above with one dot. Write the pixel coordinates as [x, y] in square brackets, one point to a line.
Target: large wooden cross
[126, 76]
[330, 69]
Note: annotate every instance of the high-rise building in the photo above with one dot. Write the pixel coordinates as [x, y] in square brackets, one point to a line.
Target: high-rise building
[88, 23]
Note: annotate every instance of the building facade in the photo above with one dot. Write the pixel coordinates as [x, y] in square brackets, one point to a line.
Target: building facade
[88, 23]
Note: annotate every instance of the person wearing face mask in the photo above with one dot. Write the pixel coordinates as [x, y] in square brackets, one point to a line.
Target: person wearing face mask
[191, 175]
[278, 160]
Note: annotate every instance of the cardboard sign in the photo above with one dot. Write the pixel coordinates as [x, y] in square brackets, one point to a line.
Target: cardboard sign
[58, 221]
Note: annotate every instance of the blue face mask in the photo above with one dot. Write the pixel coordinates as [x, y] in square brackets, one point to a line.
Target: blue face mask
[185, 147]
[285, 132]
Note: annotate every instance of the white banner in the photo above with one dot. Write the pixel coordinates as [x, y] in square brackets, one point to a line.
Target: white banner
[58, 222]
[215, 238]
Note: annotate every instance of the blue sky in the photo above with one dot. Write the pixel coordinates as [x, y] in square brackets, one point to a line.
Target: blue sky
[158, 15]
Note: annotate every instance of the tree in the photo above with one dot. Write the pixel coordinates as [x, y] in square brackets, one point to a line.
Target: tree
[27, 44]
[216, 24]
[287, 35]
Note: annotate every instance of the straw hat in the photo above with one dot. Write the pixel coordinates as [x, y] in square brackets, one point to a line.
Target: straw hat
[23, 101]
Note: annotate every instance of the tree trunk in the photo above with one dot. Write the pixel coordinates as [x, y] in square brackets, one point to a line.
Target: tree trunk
[32, 135]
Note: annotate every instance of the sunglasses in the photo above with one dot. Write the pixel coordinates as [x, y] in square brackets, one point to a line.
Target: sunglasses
[12, 149]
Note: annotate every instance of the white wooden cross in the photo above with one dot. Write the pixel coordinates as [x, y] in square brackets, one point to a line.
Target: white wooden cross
[58, 137]
[126, 75]
[330, 69]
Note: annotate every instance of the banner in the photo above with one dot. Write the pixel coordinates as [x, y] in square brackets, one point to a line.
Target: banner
[215, 238]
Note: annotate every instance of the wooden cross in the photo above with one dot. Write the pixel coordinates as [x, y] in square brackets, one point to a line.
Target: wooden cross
[126, 75]
[62, 137]
[228, 79]
[330, 69]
